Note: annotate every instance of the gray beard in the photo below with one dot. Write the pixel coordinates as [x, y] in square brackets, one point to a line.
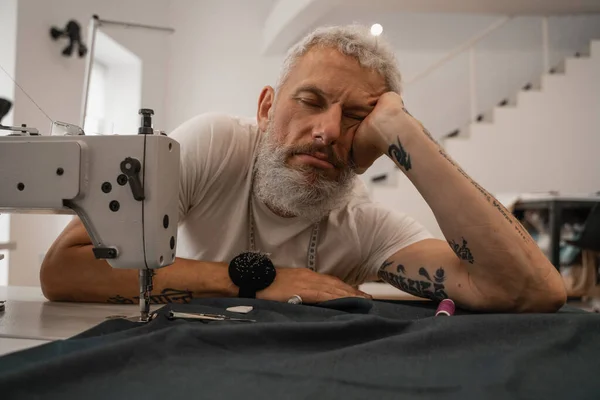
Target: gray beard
[293, 192]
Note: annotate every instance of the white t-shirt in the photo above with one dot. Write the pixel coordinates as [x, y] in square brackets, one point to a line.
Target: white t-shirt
[217, 155]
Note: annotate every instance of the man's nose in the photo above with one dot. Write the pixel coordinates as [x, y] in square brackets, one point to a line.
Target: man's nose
[328, 128]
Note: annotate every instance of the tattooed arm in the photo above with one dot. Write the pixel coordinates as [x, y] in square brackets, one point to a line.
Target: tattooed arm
[490, 263]
[70, 272]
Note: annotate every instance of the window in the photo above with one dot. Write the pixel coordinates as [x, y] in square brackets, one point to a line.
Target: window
[115, 89]
[95, 119]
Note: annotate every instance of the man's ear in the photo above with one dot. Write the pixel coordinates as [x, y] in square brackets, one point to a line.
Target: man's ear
[265, 103]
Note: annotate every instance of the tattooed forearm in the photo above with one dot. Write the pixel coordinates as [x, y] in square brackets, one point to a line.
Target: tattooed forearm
[119, 300]
[505, 213]
[425, 131]
[399, 154]
[463, 252]
[430, 288]
[166, 296]
[513, 221]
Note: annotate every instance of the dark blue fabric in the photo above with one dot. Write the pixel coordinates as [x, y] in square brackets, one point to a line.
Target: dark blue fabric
[342, 349]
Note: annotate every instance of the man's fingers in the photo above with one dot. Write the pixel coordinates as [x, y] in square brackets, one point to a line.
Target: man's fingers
[313, 287]
[319, 296]
[351, 292]
[345, 292]
[328, 292]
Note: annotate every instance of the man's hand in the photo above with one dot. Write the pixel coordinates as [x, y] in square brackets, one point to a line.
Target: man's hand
[311, 286]
[373, 135]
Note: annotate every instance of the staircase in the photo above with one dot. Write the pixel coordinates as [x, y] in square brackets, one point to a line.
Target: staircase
[548, 140]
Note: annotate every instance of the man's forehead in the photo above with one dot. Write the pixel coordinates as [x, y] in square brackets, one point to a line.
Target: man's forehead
[319, 56]
[328, 64]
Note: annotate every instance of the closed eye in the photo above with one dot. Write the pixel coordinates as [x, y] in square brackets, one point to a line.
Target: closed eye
[309, 103]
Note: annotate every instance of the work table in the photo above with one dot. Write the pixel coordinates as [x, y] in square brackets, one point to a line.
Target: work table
[29, 319]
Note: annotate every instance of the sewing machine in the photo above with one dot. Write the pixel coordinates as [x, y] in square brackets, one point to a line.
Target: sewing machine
[124, 188]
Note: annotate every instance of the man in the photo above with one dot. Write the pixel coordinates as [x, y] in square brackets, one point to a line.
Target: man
[287, 186]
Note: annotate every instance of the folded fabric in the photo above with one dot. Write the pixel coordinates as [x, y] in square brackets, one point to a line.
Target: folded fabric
[342, 349]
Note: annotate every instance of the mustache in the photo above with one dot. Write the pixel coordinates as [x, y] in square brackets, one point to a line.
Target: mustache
[332, 157]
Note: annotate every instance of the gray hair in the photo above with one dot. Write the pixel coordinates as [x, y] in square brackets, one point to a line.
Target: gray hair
[352, 40]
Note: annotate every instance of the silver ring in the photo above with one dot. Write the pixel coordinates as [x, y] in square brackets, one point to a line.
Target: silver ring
[295, 299]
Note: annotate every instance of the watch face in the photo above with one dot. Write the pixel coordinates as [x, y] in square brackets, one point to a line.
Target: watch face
[252, 270]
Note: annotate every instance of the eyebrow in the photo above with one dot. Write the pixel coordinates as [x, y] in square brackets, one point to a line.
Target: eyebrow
[312, 89]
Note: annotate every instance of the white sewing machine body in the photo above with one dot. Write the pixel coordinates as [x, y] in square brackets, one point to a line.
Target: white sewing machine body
[123, 187]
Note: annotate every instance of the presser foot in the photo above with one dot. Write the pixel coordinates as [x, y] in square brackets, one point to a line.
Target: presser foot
[135, 317]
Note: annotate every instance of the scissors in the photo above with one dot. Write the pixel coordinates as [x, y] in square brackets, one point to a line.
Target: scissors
[205, 317]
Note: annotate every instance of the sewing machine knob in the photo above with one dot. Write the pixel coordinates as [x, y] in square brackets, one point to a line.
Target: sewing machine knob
[146, 122]
[131, 168]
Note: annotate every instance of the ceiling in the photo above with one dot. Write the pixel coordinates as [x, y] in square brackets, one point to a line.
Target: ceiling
[290, 19]
[515, 7]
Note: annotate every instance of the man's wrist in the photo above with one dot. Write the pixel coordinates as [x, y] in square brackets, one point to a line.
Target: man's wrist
[399, 139]
[404, 128]
[251, 272]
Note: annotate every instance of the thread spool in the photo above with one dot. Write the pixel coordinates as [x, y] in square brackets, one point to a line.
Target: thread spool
[445, 308]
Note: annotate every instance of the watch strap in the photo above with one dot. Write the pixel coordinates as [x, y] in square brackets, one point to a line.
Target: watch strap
[247, 293]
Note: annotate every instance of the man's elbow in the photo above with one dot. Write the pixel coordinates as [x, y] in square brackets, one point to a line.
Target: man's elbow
[52, 280]
[528, 294]
[547, 296]
[552, 300]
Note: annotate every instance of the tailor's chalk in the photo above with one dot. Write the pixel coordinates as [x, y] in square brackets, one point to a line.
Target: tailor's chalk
[446, 307]
[240, 309]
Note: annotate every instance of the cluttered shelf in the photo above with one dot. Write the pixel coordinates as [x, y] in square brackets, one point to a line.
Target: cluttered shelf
[566, 227]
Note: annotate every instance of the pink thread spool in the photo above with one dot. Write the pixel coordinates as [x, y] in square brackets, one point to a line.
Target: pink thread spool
[446, 307]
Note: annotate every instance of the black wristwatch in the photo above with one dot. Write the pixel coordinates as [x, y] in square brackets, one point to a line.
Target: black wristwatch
[251, 272]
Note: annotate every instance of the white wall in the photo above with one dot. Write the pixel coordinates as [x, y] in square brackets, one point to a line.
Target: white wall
[8, 33]
[505, 61]
[56, 83]
[215, 62]
[548, 142]
[216, 65]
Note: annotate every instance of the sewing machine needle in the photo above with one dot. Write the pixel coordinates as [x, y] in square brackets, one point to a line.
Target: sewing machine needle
[145, 289]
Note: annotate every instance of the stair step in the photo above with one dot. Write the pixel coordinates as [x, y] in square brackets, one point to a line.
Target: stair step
[558, 69]
[552, 82]
[484, 117]
[577, 66]
[502, 113]
[526, 98]
[481, 129]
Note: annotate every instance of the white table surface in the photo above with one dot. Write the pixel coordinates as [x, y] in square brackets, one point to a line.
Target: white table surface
[29, 319]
